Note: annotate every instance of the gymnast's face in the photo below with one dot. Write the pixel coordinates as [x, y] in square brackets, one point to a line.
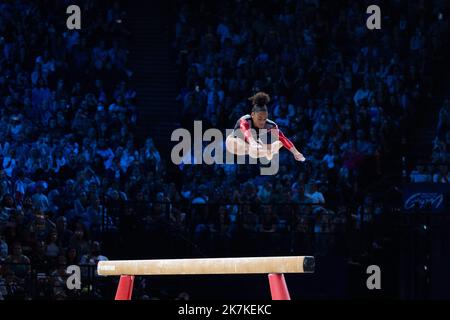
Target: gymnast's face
[259, 119]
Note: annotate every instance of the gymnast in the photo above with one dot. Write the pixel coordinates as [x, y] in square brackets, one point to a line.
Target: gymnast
[245, 141]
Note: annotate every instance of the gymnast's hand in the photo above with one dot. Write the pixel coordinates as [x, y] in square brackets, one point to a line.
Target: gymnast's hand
[298, 156]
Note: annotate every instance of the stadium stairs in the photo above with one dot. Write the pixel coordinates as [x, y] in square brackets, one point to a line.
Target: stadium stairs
[152, 62]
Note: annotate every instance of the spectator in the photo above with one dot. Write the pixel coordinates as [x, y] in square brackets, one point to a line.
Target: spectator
[3, 248]
[316, 196]
[52, 249]
[443, 176]
[18, 263]
[420, 175]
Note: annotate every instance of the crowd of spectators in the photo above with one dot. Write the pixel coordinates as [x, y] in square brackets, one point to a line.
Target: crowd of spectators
[441, 151]
[341, 92]
[67, 148]
[437, 171]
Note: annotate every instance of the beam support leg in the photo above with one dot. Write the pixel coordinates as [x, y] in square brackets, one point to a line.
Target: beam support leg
[125, 288]
[278, 287]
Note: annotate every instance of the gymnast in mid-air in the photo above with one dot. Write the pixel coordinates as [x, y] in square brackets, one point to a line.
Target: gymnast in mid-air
[245, 141]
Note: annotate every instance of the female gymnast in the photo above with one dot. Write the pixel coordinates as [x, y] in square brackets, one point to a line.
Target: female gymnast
[243, 141]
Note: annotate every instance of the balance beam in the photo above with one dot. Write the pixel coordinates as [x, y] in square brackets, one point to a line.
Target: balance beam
[270, 265]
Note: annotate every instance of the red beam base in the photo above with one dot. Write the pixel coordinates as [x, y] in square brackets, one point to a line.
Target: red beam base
[125, 288]
[278, 287]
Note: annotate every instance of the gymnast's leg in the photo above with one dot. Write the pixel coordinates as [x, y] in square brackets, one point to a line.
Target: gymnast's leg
[239, 147]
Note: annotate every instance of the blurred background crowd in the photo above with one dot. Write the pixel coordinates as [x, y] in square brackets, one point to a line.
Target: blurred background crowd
[76, 179]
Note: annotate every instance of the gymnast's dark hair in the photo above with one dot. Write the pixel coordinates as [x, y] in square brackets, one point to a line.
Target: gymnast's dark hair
[260, 101]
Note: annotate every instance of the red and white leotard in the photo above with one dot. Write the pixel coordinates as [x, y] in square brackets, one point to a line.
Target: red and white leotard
[244, 126]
